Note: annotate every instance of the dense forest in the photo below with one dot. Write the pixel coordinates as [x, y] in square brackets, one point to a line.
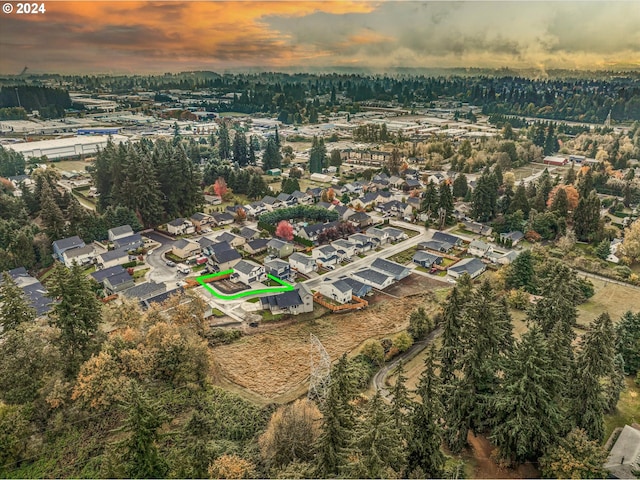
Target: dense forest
[49, 102]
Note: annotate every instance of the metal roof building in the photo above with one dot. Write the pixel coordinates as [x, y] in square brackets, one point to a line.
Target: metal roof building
[65, 147]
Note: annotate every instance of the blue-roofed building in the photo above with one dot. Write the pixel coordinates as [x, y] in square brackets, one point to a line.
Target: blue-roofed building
[426, 259]
[358, 288]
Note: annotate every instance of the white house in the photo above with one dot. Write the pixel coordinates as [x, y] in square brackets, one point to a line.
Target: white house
[292, 302]
[81, 256]
[338, 291]
[120, 232]
[342, 245]
[479, 248]
[180, 226]
[248, 272]
[472, 266]
[112, 258]
[303, 263]
[372, 277]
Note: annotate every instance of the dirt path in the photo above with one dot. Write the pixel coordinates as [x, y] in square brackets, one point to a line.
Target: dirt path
[486, 467]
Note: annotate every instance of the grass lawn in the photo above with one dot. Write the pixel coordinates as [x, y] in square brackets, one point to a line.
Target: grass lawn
[173, 257]
[140, 273]
[254, 300]
[410, 233]
[198, 268]
[217, 313]
[627, 411]
[609, 297]
[405, 256]
[267, 316]
[90, 270]
[446, 262]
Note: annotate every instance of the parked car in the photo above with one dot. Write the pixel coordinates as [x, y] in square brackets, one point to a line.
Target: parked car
[433, 271]
[170, 263]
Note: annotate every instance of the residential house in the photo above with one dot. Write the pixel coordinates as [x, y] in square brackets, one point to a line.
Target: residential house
[302, 198]
[132, 242]
[358, 288]
[325, 255]
[163, 297]
[514, 237]
[412, 184]
[391, 268]
[346, 249]
[343, 211]
[395, 234]
[442, 247]
[248, 272]
[624, 456]
[279, 248]
[184, 248]
[233, 240]
[34, 291]
[256, 246]
[285, 199]
[144, 291]
[112, 258]
[378, 233]
[206, 244]
[200, 220]
[80, 255]
[271, 203]
[507, 258]
[337, 291]
[613, 250]
[396, 182]
[362, 242]
[375, 278]
[222, 218]
[369, 199]
[447, 238]
[61, 246]
[471, 266]
[223, 257]
[249, 233]
[315, 193]
[119, 232]
[118, 282]
[479, 248]
[477, 228]
[279, 268]
[100, 275]
[180, 226]
[303, 263]
[212, 199]
[292, 302]
[311, 232]
[360, 219]
[426, 259]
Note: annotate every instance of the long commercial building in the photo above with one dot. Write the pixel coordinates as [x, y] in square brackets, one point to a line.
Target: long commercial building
[65, 147]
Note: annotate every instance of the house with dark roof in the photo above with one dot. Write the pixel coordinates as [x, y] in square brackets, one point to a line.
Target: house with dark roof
[248, 272]
[337, 290]
[279, 268]
[346, 249]
[231, 239]
[380, 234]
[447, 238]
[412, 184]
[223, 257]
[372, 277]
[285, 199]
[425, 259]
[477, 228]
[164, 296]
[360, 219]
[112, 258]
[358, 288]
[472, 266]
[442, 247]
[35, 292]
[119, 232]
[395, 234]
[100, 275]
[514, 237]
[303, 263]
[624, 456]
[292, 302]
[363, 242]
[279, 248]
[212, 199]
[200, 220]
[184, 248]
[344, 212]
[222, 218]
[205, 245]
[391, 268]
[118, 282]
[302, 198]
[61, 246]
[315, 193]
[80, 255]
[249, 233]
[256, 246]
[132, 242]
[180, 226]
[143, 291]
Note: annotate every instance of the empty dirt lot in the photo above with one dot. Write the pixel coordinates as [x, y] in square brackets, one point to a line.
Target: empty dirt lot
[273, 366]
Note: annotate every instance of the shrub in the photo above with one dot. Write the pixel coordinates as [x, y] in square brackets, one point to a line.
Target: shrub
[403, 341]
[373, 351]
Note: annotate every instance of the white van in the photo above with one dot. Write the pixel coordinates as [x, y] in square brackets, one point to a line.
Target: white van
[182, 268]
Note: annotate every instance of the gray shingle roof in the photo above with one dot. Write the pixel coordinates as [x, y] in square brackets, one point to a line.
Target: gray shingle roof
[100, 275]
[124, 229]
[245, 266]
[145, 290]
[66, 243]
[176, 223]
[114, 254]
[342, 286]
[468, 265]
[372, 275]
[392, 268]
[446, 238]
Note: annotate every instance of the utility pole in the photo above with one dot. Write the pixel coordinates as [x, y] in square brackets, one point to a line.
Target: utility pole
[18, 97]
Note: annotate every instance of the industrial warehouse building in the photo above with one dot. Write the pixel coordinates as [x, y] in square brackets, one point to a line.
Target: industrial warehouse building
[65, 147]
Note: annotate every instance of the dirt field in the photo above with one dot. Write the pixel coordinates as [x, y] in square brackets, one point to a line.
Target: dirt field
[273, 366]
[479, 457]
[609, 297]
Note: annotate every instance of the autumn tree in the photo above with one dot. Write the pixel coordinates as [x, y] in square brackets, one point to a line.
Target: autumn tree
[284, 230]
[394, 162]
[291, 434]
[571, 197]
[630, 247]
[231, 466]
[576, 456]
[220, 187]
[328, 195]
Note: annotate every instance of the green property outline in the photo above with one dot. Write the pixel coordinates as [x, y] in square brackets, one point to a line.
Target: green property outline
[247, 293]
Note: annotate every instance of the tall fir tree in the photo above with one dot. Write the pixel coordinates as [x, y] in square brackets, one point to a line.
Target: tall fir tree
[445, 203]
[520, 201]
[224, 141]
[14, 305]
[586, 218]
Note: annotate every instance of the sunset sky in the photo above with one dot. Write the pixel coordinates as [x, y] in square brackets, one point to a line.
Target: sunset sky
[172, 36]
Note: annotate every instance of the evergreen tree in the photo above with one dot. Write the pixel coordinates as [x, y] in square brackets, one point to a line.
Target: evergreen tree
[586, 218]
[452, 345]
[460, 186]
[551, 141]
[377, 443]
[400, 401]
[485, 197]
[585, 183]
[628, 342]
[141, 457]
[445, 203]
[224, 141]
[603, 250]
[575, 457]
[77, 315]
[544, 187]
[14, 305]
[423, 449]
[570, 177]
[271, 157]
[520, 201]
[317, 155]
[51, 214]
[419, 324]
[240, 149]
[560, 204]
[430, 199]
[521, 274]
[527, 418]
